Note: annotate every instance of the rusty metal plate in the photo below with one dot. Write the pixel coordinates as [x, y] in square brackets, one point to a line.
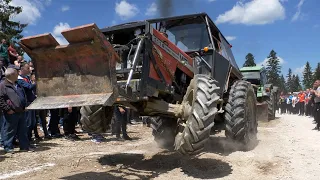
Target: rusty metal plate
[84, 68]
[42, 40]
[56, 102]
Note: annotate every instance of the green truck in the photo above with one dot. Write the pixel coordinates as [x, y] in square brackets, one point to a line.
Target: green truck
[266, 93]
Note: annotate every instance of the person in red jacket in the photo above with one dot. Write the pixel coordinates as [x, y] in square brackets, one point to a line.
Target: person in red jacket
[301, 98]
[13, 54]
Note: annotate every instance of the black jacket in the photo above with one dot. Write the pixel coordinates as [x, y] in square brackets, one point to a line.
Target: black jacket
[12, 98]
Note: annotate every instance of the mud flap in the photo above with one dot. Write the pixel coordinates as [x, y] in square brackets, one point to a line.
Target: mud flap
[262, 112]
[82, 73]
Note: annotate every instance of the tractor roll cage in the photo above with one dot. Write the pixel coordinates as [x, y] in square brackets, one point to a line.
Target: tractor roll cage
[221, 47]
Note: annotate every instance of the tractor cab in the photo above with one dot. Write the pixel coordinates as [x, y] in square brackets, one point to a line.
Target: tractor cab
[256, 75]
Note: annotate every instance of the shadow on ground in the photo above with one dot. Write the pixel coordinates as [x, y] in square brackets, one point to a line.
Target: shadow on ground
[44, 146]
[145, 168]
[92, 175]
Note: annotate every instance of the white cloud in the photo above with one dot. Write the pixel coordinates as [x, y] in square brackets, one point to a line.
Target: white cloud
[211, 0]
[264, 62]
[231, 38]
[296, 16]
[57, 32]
[65, 8]
[126, 10]
[30, 11]
[299, 70]
[152, 10]
[255, 12]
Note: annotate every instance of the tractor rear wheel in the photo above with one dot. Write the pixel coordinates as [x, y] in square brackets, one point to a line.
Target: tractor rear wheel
[96, 119]
[271, 107]
[200, 108]
[164, 131]
[240, 113]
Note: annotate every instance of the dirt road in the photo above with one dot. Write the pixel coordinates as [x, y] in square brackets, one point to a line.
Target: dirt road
[288, 148]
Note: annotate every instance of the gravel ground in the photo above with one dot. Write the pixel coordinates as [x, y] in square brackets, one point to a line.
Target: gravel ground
[287, 149]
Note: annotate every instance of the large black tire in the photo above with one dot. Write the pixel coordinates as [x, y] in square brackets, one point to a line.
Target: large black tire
[200, 108]
[164, 131]
[240, 113]
[271, 106]
[96, 119]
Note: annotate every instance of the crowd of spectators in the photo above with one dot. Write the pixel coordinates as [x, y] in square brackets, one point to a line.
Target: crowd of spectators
[303, 103]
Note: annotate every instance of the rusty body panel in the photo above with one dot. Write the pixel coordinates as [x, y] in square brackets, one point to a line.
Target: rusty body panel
[161, 43]
[81, 73]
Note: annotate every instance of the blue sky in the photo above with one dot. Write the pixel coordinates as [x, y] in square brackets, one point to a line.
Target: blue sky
[290, 27]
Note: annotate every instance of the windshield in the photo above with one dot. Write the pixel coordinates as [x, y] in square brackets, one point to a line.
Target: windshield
[189, 37]
[251, 75]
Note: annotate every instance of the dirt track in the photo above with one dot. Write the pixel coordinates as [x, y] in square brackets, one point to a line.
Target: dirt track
[288, 148]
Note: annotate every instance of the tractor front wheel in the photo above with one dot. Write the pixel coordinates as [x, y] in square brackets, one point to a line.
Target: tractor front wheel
[163, 131]
[199, 107]
[240, 113]
[271, 106]
[96, 119]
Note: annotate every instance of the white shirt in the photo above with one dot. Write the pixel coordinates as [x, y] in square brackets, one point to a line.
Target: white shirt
[317, 99]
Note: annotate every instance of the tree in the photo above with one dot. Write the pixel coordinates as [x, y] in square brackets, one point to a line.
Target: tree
[249, 60]
[289, 80]
[10, 30]
[307, 76]
[316, 74]
[273, 69]
[296, 86]
[283, 86]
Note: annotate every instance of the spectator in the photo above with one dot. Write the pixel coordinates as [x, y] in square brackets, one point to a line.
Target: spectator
[53, 129]
[69, 123]
[19, 61]
[121, 121]
[301, 103]
[289, 103]
[12, 52]
[2, 69]
[4, 52]
[308, 103]
[317, 103]
[282, 103]
[29, 88]
[31, 67]
[13, 102]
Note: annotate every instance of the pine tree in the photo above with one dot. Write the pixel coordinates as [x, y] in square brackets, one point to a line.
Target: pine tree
[250, 61]
[307, 76]
[296, 86]
[273, 69]
[283, 86]
[316, 75]
[293, 85]
[10, 30]
[289, 80]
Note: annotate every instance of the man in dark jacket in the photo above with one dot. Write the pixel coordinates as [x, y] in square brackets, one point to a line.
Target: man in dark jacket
[2, 70]
[29, 88]
[13, 103]
[121, 121]
[70, 118]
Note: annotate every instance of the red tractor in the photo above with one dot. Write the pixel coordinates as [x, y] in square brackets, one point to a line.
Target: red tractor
[178, 70]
